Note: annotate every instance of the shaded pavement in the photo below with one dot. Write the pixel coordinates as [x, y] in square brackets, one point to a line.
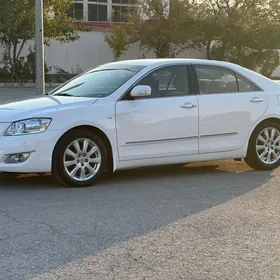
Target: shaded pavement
[215, 220]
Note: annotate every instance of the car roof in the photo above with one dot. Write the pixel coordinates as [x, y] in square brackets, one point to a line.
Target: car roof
[162, 61]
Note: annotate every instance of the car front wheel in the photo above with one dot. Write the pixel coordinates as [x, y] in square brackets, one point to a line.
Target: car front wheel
[79, 159]
[264, 147]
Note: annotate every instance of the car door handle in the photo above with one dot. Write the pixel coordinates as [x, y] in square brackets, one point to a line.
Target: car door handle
[256, 99]
[188, 105]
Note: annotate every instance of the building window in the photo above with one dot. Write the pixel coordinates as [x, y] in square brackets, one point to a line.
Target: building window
[122, 7]
[103, 10]
[76, 11]
[97, 10]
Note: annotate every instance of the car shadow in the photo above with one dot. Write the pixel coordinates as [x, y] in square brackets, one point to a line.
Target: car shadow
[80, 222]
[31, 181]
[38, 181]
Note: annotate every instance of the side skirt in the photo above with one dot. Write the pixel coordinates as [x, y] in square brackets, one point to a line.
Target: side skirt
[119, 165]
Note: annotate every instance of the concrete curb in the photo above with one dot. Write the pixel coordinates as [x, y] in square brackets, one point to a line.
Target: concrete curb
[26, 85]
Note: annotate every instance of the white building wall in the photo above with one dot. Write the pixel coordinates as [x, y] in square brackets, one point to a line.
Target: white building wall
[91, 50]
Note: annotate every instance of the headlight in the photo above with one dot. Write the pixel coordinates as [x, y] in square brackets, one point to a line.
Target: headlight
[30, 126]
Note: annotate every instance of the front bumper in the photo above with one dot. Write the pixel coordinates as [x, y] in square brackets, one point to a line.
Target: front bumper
[40, 146]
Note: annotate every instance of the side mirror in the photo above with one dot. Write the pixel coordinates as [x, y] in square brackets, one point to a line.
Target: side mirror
[141, 91]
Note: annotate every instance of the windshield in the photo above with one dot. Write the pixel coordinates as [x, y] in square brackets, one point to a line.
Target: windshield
[97, 83]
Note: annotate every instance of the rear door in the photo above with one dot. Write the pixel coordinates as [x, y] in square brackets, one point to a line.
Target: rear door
[229, 106]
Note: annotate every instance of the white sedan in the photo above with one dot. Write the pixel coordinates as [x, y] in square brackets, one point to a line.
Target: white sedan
[143, 113]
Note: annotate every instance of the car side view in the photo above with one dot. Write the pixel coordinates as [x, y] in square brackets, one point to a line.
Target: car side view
[140, 113]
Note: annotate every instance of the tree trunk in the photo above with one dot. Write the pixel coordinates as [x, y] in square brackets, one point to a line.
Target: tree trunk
[14, 55]
[239, 52]
[9, 50]
[208, 50]
[13, 60]
[223, 51]
[20, 49]
[163, 51]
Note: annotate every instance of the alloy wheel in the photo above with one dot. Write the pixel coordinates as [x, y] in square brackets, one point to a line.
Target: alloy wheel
[82, 159]
[268, 145]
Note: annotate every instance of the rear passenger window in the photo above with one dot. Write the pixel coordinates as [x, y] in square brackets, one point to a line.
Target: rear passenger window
[245, 85]
[213, 79]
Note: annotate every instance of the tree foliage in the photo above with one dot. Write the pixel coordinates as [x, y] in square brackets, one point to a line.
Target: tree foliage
[117, 40]
[17, 26]
[158, 27]
[246, 32]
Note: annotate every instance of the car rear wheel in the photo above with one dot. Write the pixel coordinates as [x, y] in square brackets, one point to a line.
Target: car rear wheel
[264, 147]
[79, 159]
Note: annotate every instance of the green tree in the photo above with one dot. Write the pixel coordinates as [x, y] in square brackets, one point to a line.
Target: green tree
[17, 26]
[245, 32]
[159, 27]
[117, 40]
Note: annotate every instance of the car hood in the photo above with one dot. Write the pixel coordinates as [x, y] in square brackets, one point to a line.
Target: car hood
[40, 106]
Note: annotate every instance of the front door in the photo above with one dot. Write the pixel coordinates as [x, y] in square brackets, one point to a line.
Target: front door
[229, 106]
[164, 124]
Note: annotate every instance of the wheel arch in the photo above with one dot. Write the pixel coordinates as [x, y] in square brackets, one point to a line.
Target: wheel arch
[110, 160]
[268, 119]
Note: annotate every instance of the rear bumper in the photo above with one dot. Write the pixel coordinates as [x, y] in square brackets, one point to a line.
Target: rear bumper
[40, 146]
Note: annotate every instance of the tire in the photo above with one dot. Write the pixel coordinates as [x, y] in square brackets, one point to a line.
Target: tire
[255, 155]
[81, 168]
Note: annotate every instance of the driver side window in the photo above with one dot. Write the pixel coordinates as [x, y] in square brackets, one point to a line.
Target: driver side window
[168, 81]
